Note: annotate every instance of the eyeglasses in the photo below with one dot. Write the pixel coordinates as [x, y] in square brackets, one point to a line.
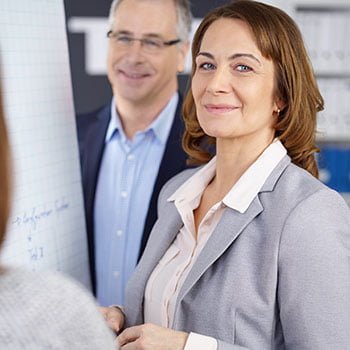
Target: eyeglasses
[148, 44]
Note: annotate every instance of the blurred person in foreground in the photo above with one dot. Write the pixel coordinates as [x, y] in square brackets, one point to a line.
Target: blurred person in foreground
[42, 310]
[251, 250]
[131, 147]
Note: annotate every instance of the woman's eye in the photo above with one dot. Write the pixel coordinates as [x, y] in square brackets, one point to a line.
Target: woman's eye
[206, 66]
[243, 68]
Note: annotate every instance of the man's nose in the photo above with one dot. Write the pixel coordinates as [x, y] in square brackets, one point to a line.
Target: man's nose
[135, 51]
[135, 45]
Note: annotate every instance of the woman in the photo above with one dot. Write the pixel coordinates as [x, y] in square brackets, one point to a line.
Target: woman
[250, 251]
[42, 310]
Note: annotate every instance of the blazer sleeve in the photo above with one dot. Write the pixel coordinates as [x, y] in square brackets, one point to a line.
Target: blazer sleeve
[314, 274]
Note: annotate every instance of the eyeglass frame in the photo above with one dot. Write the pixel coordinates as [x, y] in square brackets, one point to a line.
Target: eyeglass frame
[113, 35]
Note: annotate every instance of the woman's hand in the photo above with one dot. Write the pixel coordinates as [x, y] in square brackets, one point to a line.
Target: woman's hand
[151, 337]
[114, 317]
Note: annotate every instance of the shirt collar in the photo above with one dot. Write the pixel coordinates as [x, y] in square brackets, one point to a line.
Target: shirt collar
[249, 184]
[114, 122]
[196, 184]
[245, 189]
[160, 126]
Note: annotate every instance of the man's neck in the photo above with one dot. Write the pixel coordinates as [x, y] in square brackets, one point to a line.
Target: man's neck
[138, 117]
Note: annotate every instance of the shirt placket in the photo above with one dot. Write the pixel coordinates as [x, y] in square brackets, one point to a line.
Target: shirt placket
[125, 196]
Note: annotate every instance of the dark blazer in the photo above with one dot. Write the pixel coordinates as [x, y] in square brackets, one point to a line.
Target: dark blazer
[92, 129]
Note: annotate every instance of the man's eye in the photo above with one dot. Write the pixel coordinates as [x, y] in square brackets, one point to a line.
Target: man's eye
[124, 39]
[152, 43]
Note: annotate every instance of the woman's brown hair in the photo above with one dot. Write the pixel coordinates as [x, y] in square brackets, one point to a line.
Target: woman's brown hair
[279, 39]
[4, 173]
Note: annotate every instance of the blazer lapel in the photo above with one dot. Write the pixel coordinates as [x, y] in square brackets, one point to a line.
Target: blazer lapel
[95, 142]
[173, 162]
[162, 235]
[229, 228]
[94, 146]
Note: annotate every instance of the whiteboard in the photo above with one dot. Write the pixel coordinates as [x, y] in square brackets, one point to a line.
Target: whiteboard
[46, 229]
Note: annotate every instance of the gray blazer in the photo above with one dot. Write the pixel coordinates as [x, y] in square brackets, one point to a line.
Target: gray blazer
[275, 277]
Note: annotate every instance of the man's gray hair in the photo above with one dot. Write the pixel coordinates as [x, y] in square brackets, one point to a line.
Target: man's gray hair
[183, 12]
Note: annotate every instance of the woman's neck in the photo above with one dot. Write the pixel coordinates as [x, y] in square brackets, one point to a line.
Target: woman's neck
[233, 158]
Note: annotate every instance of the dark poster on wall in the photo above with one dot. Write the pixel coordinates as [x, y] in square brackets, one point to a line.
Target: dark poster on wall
[86, 29]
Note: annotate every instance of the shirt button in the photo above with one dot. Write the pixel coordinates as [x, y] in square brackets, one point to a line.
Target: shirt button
[119, 233]
[124, 194]
[204, 223]
[130, 157]
[116, 274]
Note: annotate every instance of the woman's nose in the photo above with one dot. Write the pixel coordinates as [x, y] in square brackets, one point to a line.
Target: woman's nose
[220, 82]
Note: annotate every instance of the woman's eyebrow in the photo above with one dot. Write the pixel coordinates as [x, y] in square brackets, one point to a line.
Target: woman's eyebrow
[232, 57]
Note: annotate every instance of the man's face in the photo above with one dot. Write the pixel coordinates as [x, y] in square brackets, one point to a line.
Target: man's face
[136, 74]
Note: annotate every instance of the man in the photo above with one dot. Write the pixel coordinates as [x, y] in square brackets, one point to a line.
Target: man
[132, 146]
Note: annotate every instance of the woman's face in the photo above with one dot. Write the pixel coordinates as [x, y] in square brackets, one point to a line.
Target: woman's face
[233, 85]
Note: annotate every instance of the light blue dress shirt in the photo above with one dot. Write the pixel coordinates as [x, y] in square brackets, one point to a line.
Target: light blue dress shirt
[125, 184]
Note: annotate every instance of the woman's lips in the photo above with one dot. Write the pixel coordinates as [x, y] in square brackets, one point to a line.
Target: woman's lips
[219, 108]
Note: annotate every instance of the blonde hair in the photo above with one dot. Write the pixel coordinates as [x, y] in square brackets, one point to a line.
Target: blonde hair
[278, 38]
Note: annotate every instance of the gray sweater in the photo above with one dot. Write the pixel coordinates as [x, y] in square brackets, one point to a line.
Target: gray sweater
[48, 311]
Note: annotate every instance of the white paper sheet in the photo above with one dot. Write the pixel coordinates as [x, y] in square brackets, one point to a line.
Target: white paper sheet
[46, 229]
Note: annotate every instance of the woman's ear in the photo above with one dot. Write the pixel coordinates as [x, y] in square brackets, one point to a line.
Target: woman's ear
[279, 106]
